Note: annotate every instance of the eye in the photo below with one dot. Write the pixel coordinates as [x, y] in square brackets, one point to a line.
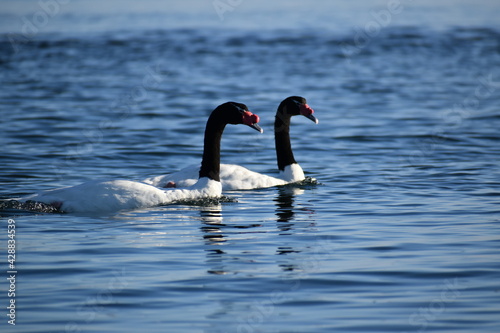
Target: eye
[240, 109]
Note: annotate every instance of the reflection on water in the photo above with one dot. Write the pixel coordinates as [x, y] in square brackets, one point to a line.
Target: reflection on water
[220, 236]
[211, 218]
[284, 207]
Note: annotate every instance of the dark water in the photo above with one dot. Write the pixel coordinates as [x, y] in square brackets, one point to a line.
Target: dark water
[401, 235]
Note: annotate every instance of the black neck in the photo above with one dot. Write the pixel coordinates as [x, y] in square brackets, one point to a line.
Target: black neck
[210, 164]
[284, 152]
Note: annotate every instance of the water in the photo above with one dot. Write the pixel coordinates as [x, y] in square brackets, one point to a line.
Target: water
[400, 235]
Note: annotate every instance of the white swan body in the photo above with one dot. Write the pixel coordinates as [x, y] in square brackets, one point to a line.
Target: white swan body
[116, 195]
[233, 177]
[182, 178]
[111, 196]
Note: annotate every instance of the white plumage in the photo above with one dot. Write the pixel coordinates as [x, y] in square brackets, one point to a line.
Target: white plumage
[111, 196]
[97, 197]
[233, 177]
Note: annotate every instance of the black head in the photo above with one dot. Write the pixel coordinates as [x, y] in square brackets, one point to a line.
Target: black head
[237, 113]
[296, 105]
[227, 113]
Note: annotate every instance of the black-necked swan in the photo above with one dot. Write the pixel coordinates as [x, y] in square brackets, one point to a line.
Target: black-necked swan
[235, 177]
[115, 195]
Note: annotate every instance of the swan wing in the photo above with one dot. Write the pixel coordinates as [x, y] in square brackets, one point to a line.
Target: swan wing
[183, 178]
[236, 177]
[233, 177]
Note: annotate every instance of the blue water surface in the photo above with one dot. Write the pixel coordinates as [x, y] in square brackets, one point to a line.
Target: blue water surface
[401, 232]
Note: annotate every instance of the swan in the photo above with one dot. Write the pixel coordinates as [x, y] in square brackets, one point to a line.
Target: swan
[115, 195]
[235, 177]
